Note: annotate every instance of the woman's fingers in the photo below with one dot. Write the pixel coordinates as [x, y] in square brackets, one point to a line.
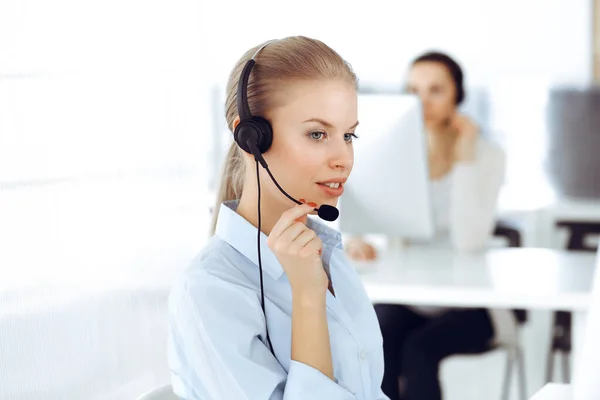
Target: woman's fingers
[315, 247]
[287, 219]
[302, 240]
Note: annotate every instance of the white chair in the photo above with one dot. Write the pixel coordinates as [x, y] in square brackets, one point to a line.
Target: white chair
[164, 392]
[509, 341]
[507, 326]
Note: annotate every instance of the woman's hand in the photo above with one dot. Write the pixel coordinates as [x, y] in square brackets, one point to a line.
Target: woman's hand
[298, 249]
[359, 250]
[466, 140]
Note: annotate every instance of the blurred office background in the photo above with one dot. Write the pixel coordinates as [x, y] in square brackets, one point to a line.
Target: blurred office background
[112, 134]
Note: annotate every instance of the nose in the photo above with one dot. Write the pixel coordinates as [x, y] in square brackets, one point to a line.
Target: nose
[424, 97]
[341, 155]
[425, 101]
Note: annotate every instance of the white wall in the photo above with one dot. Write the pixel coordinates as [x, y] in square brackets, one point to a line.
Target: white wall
[100, 87]
[514, 49]
[107, 95]
[545, 39]
[124, 84]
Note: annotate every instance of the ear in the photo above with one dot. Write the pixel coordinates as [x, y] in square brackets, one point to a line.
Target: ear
[236, 122]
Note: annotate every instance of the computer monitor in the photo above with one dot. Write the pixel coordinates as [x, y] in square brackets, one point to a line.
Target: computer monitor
[388, 191]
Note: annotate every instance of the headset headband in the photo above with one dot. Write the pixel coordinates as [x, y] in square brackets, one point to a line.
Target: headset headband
[242, 93]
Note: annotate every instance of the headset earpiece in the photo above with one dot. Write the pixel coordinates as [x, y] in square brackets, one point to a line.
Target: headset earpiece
[250, 127]
[266, 134]
[256, 129]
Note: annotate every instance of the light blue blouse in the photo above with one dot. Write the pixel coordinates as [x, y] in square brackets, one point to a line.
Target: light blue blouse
[217, 337]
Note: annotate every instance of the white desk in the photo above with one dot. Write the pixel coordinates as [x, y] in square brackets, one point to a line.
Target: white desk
[499, 278]
[554, 391]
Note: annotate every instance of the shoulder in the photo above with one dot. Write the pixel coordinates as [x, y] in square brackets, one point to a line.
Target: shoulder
[221, 260]
[213, 278]
[490, 155]
[489, 147]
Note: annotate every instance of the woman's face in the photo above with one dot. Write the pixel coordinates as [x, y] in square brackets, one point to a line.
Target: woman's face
[432, 82]
[313, 130]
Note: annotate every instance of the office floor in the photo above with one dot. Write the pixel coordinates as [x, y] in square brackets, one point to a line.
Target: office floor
[95, 328]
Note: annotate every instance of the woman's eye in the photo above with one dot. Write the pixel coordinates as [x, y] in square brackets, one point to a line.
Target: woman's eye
[349, 137]
[317, 135]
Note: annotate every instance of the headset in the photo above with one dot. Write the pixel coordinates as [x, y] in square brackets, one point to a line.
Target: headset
[254, 135]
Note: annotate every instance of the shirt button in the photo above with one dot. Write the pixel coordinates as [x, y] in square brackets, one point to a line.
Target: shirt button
[363, 355]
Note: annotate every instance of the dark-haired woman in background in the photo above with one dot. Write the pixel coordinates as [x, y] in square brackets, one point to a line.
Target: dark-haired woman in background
[466, 173]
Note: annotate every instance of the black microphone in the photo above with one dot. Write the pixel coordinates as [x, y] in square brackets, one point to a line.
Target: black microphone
[328, 213]
[325, 212]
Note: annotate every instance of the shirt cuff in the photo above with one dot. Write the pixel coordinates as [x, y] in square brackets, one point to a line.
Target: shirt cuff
[305, 382]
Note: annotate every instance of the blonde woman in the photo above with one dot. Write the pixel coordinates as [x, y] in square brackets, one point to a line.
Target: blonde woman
[318, 337]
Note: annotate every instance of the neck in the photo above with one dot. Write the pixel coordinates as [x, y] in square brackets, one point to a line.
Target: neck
[271, 209]
[441, 131]
[440, 138]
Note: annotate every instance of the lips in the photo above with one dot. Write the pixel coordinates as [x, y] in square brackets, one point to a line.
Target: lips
[332, 189]
[334, 180]
[332, 185]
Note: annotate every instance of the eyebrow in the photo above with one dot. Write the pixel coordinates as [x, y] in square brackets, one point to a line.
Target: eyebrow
[327, 124]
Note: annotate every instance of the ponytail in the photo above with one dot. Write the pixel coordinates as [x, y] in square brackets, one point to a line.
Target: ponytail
[232, 181]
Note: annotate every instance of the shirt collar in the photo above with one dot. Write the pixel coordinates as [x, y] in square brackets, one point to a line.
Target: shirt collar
[241, 235]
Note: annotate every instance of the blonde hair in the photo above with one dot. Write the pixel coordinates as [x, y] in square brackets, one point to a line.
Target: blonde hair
[290, 59]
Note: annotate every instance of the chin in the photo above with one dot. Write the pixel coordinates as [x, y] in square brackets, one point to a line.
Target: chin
[431, 124]
[330, 202]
